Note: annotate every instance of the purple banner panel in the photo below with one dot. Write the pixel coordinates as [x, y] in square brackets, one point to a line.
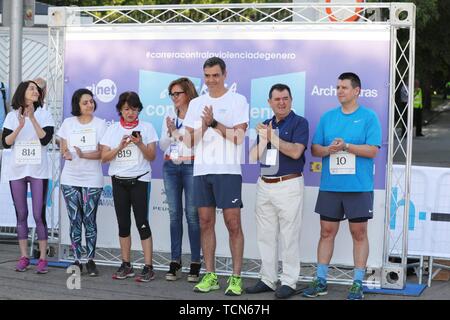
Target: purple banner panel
[309, 67]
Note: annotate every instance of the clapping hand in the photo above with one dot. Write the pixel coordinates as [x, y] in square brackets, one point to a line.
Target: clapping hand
[264, 131]
[170, 125]
[208, 116]
[21, 118]
[29, 112]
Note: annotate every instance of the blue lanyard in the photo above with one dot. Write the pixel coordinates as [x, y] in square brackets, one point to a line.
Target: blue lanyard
[178, 126]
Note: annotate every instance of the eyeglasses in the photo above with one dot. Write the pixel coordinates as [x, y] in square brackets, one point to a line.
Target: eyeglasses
[175, 94]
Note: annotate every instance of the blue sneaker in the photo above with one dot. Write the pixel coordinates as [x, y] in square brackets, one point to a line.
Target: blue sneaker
[317, 288]
[356, 291]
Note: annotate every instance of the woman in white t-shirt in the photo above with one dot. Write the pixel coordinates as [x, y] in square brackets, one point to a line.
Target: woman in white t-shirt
[130, 145]
[27, 130]
[82, 176]
[178, 177]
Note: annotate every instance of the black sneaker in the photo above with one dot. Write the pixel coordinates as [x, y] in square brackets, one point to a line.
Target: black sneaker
[79, 265]
[194, 273]
[284, 292]
[259, 287]
[173, 273]
[146, 275]
[91, 268]
[125, 271]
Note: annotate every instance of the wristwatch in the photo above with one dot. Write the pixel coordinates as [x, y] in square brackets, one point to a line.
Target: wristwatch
[345, 147]
[213, 123]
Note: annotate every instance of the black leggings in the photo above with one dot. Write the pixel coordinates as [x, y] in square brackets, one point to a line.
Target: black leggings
[127, 195]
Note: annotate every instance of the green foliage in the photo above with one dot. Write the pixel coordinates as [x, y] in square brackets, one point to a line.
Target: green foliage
[84, 3]
[432, 27]
[432, 63]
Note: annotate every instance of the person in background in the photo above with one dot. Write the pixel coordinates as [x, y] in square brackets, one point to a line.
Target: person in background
[418, 108]
[401, 114]
[82, 176]
[446, 90]
[178, 177]
[130, 145]
[27, 130]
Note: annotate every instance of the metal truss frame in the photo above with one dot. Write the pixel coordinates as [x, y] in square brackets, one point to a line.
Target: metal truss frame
[399, 17]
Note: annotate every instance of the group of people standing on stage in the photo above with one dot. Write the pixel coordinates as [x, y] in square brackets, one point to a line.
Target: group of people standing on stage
[202, 140]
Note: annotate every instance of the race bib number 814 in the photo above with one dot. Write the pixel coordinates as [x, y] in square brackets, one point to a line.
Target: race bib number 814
[27, 152]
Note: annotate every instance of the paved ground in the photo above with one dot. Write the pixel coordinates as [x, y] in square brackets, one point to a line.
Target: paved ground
[434, 149]
[52, 286]
[431, 150]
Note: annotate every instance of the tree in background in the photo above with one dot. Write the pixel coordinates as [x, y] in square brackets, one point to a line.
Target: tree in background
[432, 63]
[432, 60]
[84, 3]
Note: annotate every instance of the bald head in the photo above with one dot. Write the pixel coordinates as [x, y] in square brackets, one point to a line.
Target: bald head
[43, 85]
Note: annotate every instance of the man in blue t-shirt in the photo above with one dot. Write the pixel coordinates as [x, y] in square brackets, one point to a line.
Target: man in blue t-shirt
[281, 144]
[347, 139]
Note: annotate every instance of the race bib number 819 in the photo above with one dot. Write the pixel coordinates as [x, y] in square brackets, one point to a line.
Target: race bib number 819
[128, 156]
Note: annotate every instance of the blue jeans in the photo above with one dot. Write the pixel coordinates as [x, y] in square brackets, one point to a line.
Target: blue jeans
[176, 179]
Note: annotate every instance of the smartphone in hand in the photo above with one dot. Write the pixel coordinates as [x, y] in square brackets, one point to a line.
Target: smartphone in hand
[136, 134]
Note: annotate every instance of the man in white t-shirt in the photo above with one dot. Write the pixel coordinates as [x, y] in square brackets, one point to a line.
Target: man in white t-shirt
[215, 125]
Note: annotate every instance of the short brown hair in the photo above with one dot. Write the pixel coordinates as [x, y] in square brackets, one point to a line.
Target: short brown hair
[130, 97]
[187, 86]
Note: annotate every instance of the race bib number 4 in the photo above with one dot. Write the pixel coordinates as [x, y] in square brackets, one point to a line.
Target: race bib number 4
[84, 139]
[28, 152]
[128, 156]
[342, 163]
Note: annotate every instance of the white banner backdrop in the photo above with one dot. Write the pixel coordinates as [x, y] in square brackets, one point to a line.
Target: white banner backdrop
[8, 213]
[429, 212]
[429, 226]
[159, 222]
[256, 57]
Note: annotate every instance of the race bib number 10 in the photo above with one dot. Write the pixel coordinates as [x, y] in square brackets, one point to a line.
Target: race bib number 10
[28, 152]
[342, 163]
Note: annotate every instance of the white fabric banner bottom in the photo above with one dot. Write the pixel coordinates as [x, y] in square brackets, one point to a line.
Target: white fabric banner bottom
[160, 225]
[8, 213]
[429, 212]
